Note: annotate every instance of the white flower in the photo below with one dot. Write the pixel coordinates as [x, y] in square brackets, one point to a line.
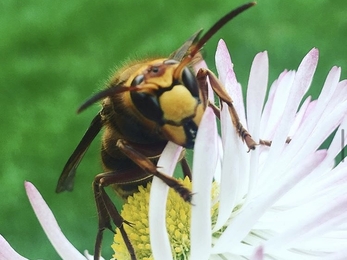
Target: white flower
[287, 201]
[61, 244]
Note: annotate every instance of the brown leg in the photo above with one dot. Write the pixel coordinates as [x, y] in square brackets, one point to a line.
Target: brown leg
[215, 109]
[223, 95]
[148, 166]
[186, 169]
[107, 212]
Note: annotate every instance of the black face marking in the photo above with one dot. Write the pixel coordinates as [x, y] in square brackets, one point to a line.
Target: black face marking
[191, 130]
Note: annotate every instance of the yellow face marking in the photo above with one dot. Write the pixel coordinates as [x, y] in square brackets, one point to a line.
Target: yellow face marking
[178, 104]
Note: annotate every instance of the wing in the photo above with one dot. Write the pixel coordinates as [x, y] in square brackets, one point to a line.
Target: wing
[66, 179]
[183, 50]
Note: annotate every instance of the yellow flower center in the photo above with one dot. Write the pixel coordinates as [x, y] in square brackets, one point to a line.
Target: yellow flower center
[178, 214]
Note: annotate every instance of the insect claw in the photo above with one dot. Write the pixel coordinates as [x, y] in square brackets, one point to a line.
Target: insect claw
[183, 192]
[130, 224]
[250, 142]
[191, 195]
[112, 230]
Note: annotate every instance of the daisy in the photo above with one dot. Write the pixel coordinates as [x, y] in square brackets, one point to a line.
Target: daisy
[284, 201]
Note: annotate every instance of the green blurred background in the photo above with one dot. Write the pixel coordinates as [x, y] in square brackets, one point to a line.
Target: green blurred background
[54, 54]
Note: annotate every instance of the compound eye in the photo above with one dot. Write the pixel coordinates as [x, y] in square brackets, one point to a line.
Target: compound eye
[137, 80]
[190, 82]
[148, 105]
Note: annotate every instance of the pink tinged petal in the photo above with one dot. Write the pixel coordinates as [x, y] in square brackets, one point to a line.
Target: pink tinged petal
[294, 153]
[309, 110]
[266, 114]
[306, 203]
[234, 89]
[223, 61]
[340, 94]
[228, 78]
[342, 88]
[257, 86]
[302, 81]
[268, 108]
[204, 164]
[46, 218]
[258, 254]
[301, 115]
[250, 214]
[160, 243]
[277, 131]
[7, 252]
[299, 148]
[279, 103]
[311, 225]
[321, 187]
[306, 70]
[335, 147]
[329, 87]
[200, 65]
[311, 123]
[231, 190]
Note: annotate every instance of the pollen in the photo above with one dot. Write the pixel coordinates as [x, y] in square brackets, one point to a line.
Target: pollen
[178, 214]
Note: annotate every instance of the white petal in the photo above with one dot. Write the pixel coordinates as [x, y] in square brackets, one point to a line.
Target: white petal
[311, 225]
[7, 252]
[311, 121]
[301, 116]
[160, 243]
[306, 143]
[243, 222]
[283, 86]
[204, 164]
[302, 81]
[340, 255]
[46, 218]
[256, 91]
[234, 178]
[340, 93]
[268, 108]
[257, 86]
